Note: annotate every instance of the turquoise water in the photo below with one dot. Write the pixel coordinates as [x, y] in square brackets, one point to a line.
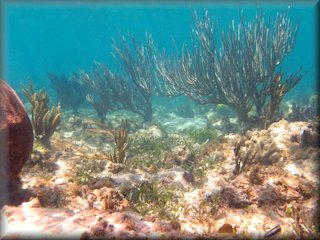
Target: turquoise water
[62, 38]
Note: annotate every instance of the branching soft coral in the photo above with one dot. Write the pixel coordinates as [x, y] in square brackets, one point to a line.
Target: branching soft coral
[241, 71]
[45, 120]
[70, 92]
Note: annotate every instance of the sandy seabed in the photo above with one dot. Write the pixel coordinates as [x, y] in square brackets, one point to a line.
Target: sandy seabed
[277, 195]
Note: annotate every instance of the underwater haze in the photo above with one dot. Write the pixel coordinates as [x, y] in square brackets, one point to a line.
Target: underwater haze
[61, 38]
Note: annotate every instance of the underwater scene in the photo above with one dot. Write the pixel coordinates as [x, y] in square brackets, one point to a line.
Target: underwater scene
[150, 120]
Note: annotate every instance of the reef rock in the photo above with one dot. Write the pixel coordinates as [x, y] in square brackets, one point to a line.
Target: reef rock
[234, 197]
[180, 156]
[16, 133]
[269, 195]
[114, 167]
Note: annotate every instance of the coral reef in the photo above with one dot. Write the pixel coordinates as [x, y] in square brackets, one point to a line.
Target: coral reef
[16, 134]
[231, 169]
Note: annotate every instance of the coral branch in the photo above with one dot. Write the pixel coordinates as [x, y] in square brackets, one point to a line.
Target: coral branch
[137, 61]
[44, 120]
[109, 91]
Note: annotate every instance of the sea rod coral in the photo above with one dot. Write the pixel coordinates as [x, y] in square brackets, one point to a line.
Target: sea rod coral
[108, 91]
[45, 120]
[242, 70]
[70, 92]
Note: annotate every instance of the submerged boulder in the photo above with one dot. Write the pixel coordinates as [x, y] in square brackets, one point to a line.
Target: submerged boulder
[16, 133]
[234, 197]
[270, 195]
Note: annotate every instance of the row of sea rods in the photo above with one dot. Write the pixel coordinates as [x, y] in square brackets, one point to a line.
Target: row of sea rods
[239, 67]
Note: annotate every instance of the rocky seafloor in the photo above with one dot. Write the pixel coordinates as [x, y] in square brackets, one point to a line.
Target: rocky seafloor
[178, 181]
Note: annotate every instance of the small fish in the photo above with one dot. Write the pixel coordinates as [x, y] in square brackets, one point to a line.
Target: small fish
[273, 231]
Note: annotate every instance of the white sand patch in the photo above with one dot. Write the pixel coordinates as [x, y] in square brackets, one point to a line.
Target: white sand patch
[67, 134]
[153, 131]
[180, 124]
[194, 198]
[32, 223]
[292, 169]
[127, 179]
[62, 166]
